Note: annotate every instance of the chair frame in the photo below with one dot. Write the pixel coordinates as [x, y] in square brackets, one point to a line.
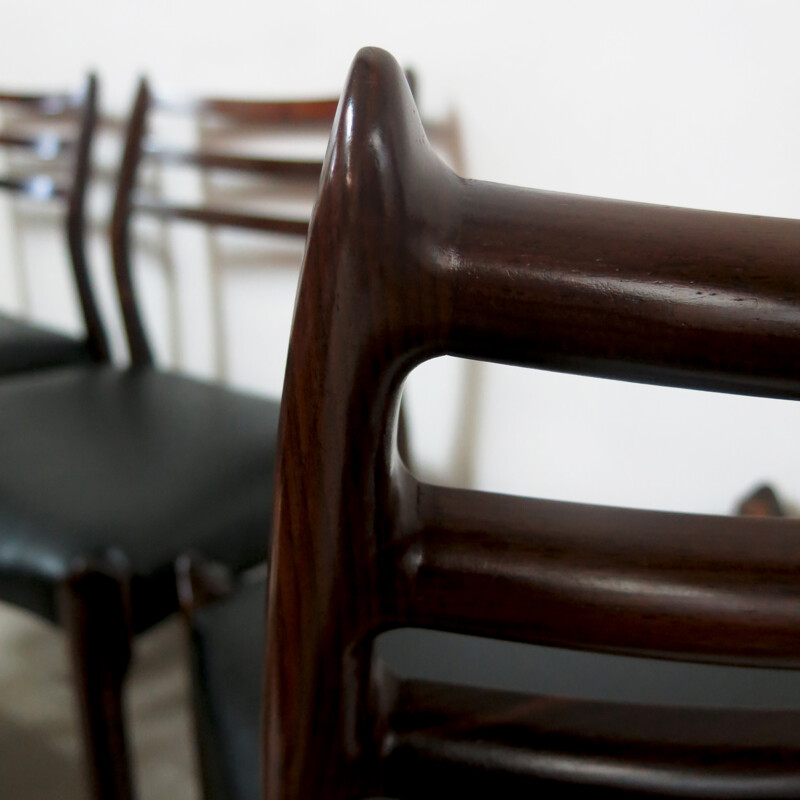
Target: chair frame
[51, 106]
[94, 601]
[405, 262]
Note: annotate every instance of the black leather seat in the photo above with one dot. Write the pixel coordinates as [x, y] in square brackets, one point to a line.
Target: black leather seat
[25, 347]
[227, 652]
[141, 462]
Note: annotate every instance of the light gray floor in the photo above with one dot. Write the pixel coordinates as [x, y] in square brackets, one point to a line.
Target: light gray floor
[39, 743]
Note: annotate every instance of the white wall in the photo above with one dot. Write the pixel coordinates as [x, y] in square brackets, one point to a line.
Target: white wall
[689, 103]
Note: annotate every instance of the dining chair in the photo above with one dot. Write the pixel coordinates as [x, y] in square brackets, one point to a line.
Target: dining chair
[108, 473]
[406, 261]
[54, 132]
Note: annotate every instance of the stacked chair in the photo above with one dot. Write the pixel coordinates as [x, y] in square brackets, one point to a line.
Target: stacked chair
[54, 131]
[108, 473]
[406, 261]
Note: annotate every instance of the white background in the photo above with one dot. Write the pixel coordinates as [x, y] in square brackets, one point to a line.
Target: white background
[686, 103]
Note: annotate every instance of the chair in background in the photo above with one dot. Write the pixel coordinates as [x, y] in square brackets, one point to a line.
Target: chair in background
[221, 125]
[107, 474]
[55, 131]
[406, 261]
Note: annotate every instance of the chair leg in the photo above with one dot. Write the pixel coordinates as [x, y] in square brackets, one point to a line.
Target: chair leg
[95, 611]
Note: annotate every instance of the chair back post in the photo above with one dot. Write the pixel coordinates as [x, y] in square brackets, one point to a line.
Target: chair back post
[351, 347]
[138, 345]
[406, 261]
[76, 223]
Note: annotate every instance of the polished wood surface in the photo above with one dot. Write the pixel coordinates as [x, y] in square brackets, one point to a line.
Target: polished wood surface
[407, 261]
[479, 743]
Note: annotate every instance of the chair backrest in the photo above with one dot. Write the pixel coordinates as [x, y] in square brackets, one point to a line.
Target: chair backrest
[406, 261]
[75, 116]
[287, 116]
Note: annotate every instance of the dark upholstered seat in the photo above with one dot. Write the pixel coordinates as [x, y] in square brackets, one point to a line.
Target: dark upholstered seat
[227, 651]
[25, 347]
[142, 462]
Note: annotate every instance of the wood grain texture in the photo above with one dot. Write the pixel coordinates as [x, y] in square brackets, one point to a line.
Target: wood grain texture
[407, 261]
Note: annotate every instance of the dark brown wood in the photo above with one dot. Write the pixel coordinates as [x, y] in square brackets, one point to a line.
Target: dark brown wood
[76, 225]
[47, 104]
[138, 345]
[593, 577]
[234, 163]
[218, 217]
[407, 261]
[50, 144]
[48, 187]
[255, 112]
[35, 187]
[445, 734]
[95, 612]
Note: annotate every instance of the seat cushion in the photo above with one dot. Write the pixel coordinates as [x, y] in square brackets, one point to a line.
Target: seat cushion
[24, 347]
[146, 463]
[227, 659]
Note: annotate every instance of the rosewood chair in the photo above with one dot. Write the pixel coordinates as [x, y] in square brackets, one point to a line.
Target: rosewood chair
[406, 261]
[55, 132]
[227, 119]
[108, 473]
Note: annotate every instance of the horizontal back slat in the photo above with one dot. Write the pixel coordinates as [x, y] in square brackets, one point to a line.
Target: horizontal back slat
[257, 112]
[37, 187]
[46, 104]
[222, 218]
[43, 144]
[625, 290]
[481, 743]
[235, 163]
[684, 586]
